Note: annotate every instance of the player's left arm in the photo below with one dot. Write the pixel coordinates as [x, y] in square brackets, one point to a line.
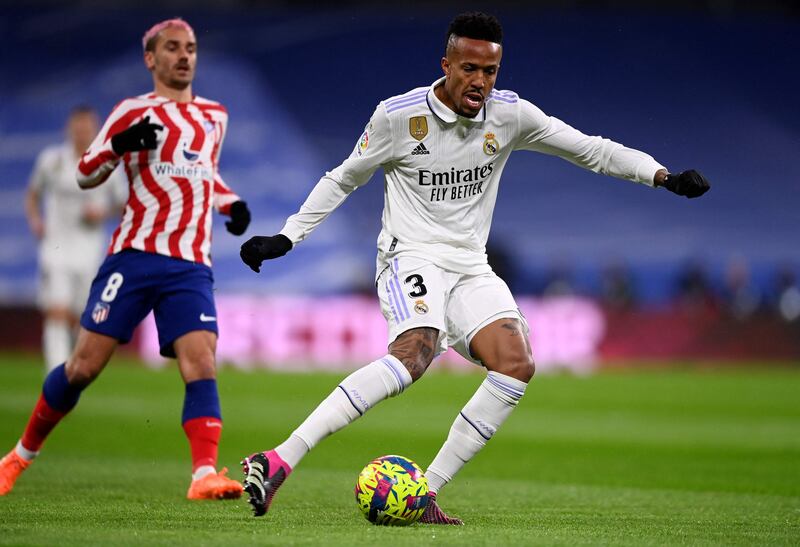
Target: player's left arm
[225, 200]
[549, 135]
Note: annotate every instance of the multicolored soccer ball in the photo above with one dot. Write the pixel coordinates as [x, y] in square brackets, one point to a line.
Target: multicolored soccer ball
[392, 491]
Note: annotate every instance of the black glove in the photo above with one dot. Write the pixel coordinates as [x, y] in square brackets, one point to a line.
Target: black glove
[141, 136]
[687, 183]
[259, 248]
[240, 218]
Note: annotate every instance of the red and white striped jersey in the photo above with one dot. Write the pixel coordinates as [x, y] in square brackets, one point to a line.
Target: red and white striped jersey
[171, 188]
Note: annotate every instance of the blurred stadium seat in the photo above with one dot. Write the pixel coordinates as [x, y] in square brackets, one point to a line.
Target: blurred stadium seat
[695, 90]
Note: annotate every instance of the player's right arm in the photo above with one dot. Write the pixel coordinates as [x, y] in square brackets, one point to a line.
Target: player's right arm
[118, 136]
[33, 196]
[373, 149]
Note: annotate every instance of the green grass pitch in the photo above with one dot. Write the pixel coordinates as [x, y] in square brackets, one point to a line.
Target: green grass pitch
[676, 456]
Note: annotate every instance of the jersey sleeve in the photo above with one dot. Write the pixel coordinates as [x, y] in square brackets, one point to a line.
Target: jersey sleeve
[100, 160]
[38, 179]
[549, 135]
[373, 149]
[224, 197]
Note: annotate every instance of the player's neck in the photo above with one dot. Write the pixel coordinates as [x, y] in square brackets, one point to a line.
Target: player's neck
[78, 149]
[444, 98]
[173, 94]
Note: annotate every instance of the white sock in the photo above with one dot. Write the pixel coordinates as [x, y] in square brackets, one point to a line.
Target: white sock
[356, 394]
[56, 342]
[202, 471]
[292, 450]
[474, 426]
[24, 453]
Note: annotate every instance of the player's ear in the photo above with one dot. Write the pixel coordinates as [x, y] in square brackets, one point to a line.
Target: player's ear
[149, 60]
[446, 66]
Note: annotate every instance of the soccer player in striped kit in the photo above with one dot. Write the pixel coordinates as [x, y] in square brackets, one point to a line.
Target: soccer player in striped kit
[169, 143]
[442, 148]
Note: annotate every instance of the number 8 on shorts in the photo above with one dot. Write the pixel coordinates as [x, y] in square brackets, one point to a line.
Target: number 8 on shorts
[113, 285]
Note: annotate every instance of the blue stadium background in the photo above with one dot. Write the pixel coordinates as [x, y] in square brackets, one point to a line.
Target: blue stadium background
[695, 90]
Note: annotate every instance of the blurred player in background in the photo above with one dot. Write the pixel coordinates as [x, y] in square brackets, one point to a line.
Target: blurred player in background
[169, 143]
[71, 234]
[442, 148]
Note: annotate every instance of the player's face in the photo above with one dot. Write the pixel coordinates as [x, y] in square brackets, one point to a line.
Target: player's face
[471, 69]
[174, 59]
[82, 128]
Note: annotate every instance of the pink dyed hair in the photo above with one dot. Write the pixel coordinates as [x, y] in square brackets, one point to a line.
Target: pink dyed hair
[152, 33]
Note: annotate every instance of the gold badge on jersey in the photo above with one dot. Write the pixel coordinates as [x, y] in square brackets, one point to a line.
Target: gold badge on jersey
[418, 127]
[490, 144]
[420, 307]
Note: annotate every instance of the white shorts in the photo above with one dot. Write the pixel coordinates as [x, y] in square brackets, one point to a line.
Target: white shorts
[65, 287]
[416, 293]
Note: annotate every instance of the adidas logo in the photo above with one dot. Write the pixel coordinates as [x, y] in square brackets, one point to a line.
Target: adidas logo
[420, 150]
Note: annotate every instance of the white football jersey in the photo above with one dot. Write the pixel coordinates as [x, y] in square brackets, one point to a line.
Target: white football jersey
[68, 238]
[442, 172]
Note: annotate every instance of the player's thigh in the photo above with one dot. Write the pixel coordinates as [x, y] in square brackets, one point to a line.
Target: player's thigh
[185, 304]
[121, 295]
[413, 294]
[476, 302]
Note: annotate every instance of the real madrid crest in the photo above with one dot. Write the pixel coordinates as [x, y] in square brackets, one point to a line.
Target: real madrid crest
[418, 127]
[420, 307]
[490, 144]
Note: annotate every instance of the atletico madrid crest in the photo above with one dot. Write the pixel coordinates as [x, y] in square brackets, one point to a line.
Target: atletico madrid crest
[100, 312]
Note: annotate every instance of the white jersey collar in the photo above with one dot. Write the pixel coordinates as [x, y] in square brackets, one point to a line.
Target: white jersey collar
[443, 112]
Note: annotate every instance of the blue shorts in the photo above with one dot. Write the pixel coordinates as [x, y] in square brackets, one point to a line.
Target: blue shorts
[131, 283]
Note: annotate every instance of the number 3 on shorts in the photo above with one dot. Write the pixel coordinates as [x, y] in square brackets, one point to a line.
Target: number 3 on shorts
[112, 286]
[419, 288]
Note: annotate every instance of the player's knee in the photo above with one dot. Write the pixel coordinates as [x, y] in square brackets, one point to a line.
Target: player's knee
[415, 361]
[415, 365]
[199, 365]
[195, 352]
[526, 369]
[519, 366]
[415, 348]
[82, 369]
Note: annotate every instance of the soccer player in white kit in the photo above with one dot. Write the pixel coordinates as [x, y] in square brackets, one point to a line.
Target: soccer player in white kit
[71, 234]
[442, 149]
